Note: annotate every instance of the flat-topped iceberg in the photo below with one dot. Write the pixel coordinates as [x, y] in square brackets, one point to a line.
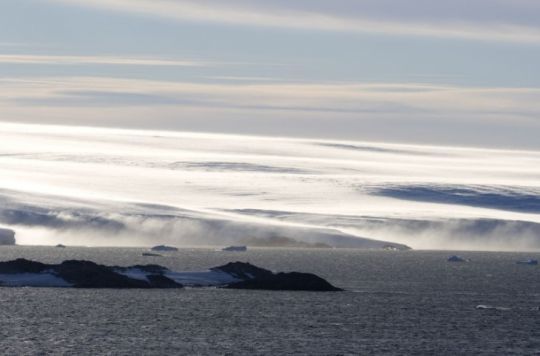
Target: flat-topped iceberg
[86, 274]
[235, 248]
[164, 248]
[7, 237]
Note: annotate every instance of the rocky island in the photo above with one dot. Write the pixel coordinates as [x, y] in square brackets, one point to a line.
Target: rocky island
[86, 274]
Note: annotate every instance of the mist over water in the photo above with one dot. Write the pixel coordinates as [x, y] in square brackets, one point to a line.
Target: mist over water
[130, 188]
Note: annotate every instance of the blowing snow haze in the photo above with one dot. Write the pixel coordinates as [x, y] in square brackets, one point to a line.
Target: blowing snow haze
[195, 100]
[126, 187]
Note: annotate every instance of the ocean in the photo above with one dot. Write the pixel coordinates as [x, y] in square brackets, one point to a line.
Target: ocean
[395, 303]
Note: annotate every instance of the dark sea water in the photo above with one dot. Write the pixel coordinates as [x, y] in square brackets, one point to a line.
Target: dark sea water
[396, 303]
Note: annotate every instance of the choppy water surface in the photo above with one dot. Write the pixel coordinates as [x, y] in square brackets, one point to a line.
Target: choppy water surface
[397, 303]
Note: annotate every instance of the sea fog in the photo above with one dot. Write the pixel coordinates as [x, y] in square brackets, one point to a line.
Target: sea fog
[113, 187]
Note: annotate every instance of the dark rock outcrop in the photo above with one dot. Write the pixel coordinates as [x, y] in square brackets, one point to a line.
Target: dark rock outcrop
[7, 237]
[244, 270]
[287, 281]
[254, 277]
[86, 274]
[457, 259]
[21, 265]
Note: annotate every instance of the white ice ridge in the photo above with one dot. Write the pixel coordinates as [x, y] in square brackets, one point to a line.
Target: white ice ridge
[188, 279]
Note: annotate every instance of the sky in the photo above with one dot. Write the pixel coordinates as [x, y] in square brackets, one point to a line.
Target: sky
[415, 71]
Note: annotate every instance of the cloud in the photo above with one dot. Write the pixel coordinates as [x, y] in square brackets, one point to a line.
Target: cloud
[105, 60]
[427, 20]
[407, 112]
[324, 97]
[124, 223]
[13, 44]
[443, 232]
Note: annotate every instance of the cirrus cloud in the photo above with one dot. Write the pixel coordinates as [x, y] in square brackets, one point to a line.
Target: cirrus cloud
[485, 20]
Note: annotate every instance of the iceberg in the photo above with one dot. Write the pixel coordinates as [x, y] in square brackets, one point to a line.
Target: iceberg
[164, 248]
[7, 237]
[528, 262]
[489, 307]
[235, 248]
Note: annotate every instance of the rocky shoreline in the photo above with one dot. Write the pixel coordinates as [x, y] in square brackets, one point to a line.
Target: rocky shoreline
[87, 274]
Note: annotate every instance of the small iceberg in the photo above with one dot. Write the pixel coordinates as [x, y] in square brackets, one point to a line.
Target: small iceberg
[235, 248]
[456, 258]
[489, 307]
[164, 248]
[528, 262]
[7, 237]
[150, 254]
